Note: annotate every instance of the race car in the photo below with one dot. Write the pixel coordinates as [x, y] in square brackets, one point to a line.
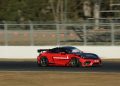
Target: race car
[67, 56]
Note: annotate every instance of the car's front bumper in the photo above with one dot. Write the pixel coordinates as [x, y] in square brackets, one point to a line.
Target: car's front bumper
[91, 62]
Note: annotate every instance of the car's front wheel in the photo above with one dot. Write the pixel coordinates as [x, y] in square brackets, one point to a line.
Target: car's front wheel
[43, 62]
[74, 62]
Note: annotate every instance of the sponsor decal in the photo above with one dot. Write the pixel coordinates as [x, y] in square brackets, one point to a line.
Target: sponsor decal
[61, 57]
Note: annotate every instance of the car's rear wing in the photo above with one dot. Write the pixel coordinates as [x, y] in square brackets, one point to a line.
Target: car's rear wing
[42, 50]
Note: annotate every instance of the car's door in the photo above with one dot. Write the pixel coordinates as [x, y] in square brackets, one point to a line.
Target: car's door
[60, 57]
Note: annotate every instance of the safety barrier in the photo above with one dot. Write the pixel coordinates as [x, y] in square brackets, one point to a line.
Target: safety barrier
[28, 52]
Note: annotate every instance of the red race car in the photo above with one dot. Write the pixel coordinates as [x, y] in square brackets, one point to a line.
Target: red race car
[67, 56]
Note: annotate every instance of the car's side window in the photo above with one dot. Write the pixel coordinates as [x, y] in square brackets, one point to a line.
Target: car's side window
[55, 50]
[60, 50]
[63, 50]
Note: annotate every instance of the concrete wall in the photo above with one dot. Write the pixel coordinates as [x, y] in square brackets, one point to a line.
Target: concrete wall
[24, 52]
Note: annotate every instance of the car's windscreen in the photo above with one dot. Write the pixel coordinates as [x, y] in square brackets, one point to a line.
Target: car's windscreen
[73, 50]
[76, 51]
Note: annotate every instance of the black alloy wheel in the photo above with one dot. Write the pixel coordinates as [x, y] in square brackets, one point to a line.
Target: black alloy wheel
[74, 62]
[43, 62]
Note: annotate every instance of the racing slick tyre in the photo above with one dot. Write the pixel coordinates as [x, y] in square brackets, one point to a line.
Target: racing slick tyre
[74, 62]
[43, 62]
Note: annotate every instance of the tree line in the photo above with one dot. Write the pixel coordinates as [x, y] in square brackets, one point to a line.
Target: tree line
[49, 10]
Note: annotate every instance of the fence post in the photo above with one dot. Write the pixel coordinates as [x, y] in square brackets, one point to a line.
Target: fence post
[58, 34]
[84, 34]
[112, 34]
[6, 33]
[31, 33]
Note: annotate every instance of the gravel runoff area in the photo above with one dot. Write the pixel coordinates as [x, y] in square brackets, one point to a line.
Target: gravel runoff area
[58, 79]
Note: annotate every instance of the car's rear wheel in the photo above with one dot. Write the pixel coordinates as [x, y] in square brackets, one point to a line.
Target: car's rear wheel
[74, 62]
[43, 62]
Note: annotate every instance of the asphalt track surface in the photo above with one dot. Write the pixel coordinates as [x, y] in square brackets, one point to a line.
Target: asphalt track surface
[108, 66]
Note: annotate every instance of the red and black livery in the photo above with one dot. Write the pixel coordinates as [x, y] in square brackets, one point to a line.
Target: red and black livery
[67, 56]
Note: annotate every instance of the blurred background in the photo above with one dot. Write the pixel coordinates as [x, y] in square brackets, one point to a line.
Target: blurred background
[59, 22]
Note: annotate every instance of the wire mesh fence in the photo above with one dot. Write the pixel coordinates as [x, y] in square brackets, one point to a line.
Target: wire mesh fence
[70, 33]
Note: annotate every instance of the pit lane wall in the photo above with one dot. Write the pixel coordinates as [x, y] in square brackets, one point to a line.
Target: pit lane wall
[28, 52]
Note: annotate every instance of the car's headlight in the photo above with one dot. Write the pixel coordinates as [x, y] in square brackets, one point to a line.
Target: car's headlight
[96, 60]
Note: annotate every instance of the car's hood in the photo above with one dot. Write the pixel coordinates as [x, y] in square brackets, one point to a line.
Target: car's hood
[89, 56]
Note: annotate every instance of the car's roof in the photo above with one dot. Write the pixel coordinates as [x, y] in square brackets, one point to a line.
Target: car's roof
[66, 47]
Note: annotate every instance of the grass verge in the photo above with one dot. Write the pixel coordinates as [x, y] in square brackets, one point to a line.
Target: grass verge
[58, 79]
